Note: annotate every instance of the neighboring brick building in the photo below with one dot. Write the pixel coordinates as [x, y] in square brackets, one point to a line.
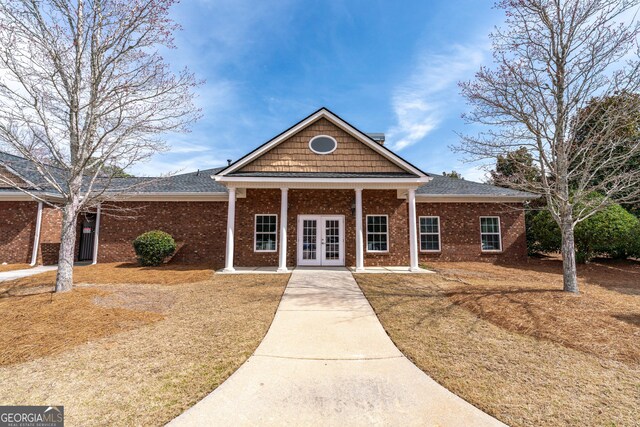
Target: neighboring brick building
[346, 200]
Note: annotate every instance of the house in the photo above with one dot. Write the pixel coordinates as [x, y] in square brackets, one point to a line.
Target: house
[321, 193]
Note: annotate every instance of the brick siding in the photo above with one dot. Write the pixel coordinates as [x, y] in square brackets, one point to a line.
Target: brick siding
[200, 226]
[18, 224]
[50, 235]
[460, 231]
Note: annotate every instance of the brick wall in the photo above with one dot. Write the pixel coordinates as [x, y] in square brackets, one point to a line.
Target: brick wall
[386, 202]
[265, 201]
[460, 231]
[17, 228]
[201, 226]
[50, 236]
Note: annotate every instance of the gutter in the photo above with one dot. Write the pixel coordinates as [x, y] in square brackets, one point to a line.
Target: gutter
[36, 237]
[96, 236]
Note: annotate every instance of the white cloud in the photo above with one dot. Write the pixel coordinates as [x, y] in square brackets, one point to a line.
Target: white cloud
[423, 101]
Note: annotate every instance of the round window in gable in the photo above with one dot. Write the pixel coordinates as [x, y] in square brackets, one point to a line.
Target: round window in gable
[323, 144]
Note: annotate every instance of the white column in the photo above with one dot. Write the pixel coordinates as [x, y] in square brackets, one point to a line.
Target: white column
[284, 193]
[359, 236]
[413, 233]
[96, 236]
[36, 237]
[231, 221]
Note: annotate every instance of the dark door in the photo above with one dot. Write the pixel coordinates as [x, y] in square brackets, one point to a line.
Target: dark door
[88, 231]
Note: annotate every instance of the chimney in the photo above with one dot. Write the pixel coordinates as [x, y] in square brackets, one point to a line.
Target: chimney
[377, 137]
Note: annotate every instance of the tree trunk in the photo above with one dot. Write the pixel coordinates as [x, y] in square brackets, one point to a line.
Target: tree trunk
[64, 278]
[569, 272]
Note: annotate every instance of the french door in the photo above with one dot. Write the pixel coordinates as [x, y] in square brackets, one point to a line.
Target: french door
[320, 240]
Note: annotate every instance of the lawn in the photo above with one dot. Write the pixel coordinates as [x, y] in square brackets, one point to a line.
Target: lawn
[132, 346]
[506, 339]
[110, 273]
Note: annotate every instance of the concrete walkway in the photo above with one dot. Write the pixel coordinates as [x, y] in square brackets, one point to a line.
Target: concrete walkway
[18, 274]
[326, 360]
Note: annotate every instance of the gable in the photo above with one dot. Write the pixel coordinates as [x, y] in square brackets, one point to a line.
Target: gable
[294, 155]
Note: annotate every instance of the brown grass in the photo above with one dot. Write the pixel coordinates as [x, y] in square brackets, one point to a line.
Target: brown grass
[111, 273]
[505, 339]
[12, 267]
[530, 301]
[40, 325]
[151, 372]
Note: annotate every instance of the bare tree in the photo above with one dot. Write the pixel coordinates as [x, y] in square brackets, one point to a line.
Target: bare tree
[552, 58]
[84, 92]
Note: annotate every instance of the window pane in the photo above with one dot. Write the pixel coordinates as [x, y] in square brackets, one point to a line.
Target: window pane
[429, 225]
[266, 232]
[377, 232]
[489, 225]
[429, 242]
[490, 242]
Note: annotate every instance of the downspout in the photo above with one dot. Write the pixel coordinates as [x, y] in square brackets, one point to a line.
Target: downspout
[96, 236]
[36, 237]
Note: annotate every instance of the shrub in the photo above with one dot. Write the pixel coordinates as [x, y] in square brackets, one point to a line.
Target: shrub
[545, 233]
[613, 232]
[153, 247]
[606, 233]
[634, 245]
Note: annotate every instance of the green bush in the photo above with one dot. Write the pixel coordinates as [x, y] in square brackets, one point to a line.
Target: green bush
[612, 232]
[634, 245]
[153, 247]
[545, 233]
[606, 233]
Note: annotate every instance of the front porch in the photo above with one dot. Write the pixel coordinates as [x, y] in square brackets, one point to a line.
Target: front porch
[276, 229]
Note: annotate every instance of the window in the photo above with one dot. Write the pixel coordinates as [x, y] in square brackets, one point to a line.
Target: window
[323, 144]
[490, 233]
[377, 233]
[266, 233]
[430, 234]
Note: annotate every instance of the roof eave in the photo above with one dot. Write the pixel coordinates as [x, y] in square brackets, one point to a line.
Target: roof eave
[478, 198]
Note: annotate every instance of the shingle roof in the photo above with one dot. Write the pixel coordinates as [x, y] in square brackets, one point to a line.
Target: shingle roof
[192, 182]
[27, 171]
[202, 182]
[447, 186]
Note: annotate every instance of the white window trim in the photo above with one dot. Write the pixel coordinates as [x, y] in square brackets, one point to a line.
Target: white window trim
[367, 234]
[499, 235]
[255, 233]
[430, 234]
[335, 144]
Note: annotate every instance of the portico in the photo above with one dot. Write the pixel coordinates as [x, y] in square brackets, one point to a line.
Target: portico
[325, 223]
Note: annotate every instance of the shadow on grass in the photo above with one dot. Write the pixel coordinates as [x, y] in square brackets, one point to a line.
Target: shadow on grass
[622, 276]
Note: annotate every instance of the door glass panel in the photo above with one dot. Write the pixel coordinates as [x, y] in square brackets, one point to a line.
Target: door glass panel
[332, 239]
[309, 243]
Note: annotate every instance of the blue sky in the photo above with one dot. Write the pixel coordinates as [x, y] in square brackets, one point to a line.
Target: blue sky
[384, 66]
